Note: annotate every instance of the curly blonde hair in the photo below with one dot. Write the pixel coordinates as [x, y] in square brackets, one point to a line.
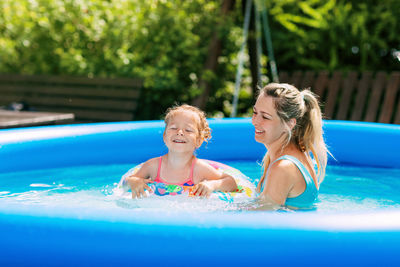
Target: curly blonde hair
[204, 131]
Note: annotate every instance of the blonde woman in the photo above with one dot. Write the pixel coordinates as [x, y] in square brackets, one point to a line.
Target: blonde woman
[289, 123]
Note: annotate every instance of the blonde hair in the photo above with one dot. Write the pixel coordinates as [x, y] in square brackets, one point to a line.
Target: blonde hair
[307, 134]
[203, 130]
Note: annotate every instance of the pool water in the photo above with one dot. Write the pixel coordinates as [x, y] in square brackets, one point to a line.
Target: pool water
[90, 188]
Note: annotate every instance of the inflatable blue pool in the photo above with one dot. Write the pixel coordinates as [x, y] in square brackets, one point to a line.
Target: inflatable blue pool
[33, 236]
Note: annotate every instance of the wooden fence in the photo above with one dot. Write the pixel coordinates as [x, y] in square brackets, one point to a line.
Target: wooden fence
[90, 99]
[366, 96]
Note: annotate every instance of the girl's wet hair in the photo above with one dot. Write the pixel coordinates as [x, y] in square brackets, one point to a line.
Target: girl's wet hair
[307, 134]
[204, 131]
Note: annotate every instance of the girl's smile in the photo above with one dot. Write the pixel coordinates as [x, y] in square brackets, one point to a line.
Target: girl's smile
[178, 141]
[181, 132]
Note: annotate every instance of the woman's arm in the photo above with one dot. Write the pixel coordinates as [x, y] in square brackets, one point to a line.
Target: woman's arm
[264, 203]
[278, 183]
[276, 189]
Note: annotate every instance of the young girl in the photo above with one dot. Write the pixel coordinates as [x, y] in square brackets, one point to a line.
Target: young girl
[186, 129]
[289, 123]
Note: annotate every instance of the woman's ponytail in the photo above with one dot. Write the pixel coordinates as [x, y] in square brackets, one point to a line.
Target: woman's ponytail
[312, 137]
[307, 134]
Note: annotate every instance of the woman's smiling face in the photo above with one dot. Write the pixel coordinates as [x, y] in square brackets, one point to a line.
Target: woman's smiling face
[268, 126]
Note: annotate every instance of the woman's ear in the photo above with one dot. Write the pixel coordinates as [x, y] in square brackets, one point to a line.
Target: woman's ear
[292, 123]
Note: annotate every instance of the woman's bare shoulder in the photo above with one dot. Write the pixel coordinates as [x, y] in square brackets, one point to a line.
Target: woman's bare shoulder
[283, 170]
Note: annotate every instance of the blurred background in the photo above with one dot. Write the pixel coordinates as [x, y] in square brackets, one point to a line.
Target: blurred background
[189, 51]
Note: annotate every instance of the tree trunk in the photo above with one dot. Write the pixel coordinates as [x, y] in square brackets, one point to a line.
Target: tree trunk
[214, 51]
[252, 49]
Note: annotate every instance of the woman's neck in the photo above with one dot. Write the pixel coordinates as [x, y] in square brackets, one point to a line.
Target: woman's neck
[276, 149]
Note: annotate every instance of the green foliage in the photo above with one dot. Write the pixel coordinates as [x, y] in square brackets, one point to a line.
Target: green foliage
[166, 42]
[335, 34]
[163, 42]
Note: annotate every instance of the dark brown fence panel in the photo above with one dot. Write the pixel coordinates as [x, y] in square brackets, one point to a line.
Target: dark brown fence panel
[333, 95]
[284, 77]
[349, 84]
[378, 86]
[365, 96]
[308, 80]
[361, 96]
[321, 84]
[397, 117]
[90, 99]
[390, 98]
[296, 78]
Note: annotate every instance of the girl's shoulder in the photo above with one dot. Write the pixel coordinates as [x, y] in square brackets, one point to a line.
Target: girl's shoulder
[203, 165]
[149, 168]
[153, 162]
[204, 171]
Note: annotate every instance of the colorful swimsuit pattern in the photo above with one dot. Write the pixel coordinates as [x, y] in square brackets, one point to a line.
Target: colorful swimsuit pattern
[245, 191]
[163, 188]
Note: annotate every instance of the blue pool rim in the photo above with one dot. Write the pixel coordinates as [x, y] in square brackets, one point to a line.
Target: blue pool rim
[30, 236]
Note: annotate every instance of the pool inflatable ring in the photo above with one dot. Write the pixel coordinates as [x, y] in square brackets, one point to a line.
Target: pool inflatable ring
[245, 191]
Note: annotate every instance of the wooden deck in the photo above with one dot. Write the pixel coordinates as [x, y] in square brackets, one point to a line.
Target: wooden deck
[12, 119]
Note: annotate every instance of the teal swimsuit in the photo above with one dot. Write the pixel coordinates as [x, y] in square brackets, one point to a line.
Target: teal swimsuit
[310, 194]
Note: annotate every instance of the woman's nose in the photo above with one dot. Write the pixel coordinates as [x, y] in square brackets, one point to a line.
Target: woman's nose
[254, 120]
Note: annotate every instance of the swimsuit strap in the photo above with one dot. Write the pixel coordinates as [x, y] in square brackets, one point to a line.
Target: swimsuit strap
[192, 169]
[310, 194]
[190, 179]
[159, 169]
[300, 166]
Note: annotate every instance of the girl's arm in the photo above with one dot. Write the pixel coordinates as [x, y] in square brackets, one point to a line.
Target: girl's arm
[213, 180]
[139, 180]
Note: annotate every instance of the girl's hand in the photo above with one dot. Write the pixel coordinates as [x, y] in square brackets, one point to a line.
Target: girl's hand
[203, 189]
[138, 185]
